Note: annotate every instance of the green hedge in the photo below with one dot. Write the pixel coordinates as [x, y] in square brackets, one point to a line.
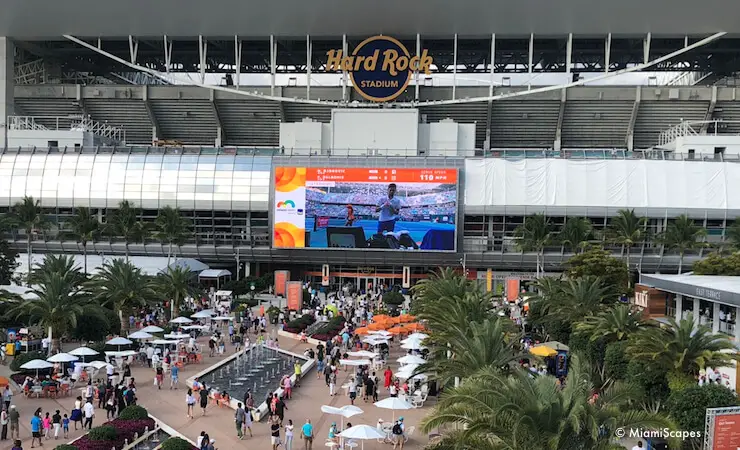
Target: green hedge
[103, 433]
[134, 412]
[65, 447]
[19, 360]
[301, 323]
[176, 443]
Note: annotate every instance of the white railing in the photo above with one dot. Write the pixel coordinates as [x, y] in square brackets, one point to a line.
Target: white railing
[24, 123]
[684, 128]
[689, 128]
[85, 123]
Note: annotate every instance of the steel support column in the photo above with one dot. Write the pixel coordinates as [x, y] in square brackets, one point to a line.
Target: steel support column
[167, 54]
[308, 66]
[273, 63]
[345, 75]
[493, 64]
[646, 48]
[607, 52]
[569, 54]
[150, 114]
[7, 86]
[531, 58]
[133, 48]
[454, 69]
[237, 61]
[416, 74]
[219, 123]
[202, 53]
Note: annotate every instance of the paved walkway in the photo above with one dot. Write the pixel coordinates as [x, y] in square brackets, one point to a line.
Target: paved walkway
[169, 406]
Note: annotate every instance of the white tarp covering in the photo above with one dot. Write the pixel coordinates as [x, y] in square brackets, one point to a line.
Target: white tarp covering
[559, 184]
[149, 265]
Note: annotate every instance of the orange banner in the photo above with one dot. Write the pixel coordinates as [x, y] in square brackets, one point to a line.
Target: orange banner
[281, 278]
[381, 175]
[295, 295]
[512, 289]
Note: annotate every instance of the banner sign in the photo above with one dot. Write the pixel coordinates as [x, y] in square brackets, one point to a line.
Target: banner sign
[295, 295]
[281, 278]
[380, 67]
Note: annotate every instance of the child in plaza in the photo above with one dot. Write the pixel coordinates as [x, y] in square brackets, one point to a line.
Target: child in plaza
[65, 426]
[47, 426]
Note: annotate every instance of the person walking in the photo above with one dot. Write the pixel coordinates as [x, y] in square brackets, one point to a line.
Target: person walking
[7, 396]
[174, 374]
[239, 419]
[56, 421]
[289, 435]
[332, 383]
[14, 422]
[4, 424]
[203, 393]
[190, 401]
[36, 426]
[248, 420]
[275, 432]
[307, 434]
[89, 413]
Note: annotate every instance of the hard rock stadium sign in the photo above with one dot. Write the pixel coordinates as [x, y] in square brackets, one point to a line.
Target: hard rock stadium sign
[380, 67]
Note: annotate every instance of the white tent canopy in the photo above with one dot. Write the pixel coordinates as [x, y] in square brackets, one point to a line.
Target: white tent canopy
[214, 273]
[149, 265]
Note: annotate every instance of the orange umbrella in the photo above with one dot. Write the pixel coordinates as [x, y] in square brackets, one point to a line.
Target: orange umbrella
[414, 327]
[377, 326]
[398, 330]
[382, 318]
[405, 318]
[362, 330]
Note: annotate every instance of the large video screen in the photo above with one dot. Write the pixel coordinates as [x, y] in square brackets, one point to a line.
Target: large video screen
[374, 208]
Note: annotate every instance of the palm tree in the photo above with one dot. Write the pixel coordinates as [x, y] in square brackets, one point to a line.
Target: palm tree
[444, 283]
[84, 227]
[121, 287]
[481, 346]
[496, 411]
[683, 235]
[732, 235]
[534, 235]
[57, 264]
[571, 300]
[59, 302]
[172, 228]
[173, 286]
[576, 233]
[28, 215]
[627, 229]
[125, 223]
[614, 324]
[682, 348]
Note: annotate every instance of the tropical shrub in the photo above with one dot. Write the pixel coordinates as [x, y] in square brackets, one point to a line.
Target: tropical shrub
[19, 360]
[688, 406]
[134, 412]
[176, 443]
[299, 324]
[393, 298]
[65, 447]
[126, 431]
[615, 361]
[102, 433]
[330, 329]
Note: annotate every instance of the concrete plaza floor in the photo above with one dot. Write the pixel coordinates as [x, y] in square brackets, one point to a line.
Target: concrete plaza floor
[169, 406]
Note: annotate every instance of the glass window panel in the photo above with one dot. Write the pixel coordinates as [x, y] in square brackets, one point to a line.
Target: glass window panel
[85, 162]
[69, 161]
[37, 162]
[67, 172]
[241, 189]
[243, 167]
[135, 166]
[204, 197]
[259, 197]
[167, 196]
[202, 166]
[203, 189]
[136, 159]
[148, 174]
[186, 188]
[20, 171]
[224, 174]
[204, 181]
[241, 181]
[186, 196]
[205, 173]
[4, 186]
[224, 188]
[206, 159]
[167, 188]
[53, 161]
[171, 165]
[188, 167]
[168, 177]
[83, 172]
[36, 172]
[5, 173]
[33, 183]
[260, 189]
[222, 197]
[150, 187]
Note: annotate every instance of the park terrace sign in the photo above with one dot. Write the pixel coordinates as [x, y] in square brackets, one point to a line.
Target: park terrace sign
[380, 67]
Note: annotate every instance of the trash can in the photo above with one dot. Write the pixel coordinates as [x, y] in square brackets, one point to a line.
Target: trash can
[10, 349]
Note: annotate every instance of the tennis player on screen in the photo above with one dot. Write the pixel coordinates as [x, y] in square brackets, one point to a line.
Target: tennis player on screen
[389, 207]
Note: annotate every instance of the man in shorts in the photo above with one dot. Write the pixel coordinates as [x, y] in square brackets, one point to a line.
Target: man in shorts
[307, 434]
[36, 428]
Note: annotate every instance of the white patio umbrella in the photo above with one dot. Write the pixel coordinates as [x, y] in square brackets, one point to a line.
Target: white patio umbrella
[223, 318]
[37, 364]
[411, 359]
[395, 404]
[345, 412]
[417, 335]
[99, 364]
[152, 329]
[205, 314]
[412, 339]
[354, 362]
[62, 358]
[176, 336]
[118, 342]
[362, 433]
[195, 327]
[181, 320]
[383, 333]
[363, 354]
[121, 353]
[140, 335]
[413, 345]
[83, 352]
[374, 341]
[163, 342]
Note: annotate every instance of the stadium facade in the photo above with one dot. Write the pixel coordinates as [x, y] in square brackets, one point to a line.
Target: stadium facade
[212, 151]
